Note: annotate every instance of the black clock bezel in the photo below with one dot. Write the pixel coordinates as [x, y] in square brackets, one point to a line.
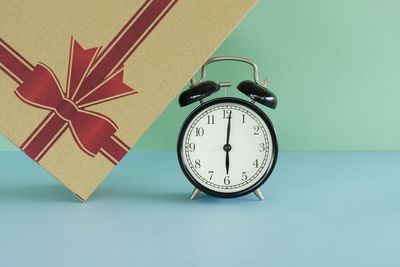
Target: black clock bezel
[198, 110]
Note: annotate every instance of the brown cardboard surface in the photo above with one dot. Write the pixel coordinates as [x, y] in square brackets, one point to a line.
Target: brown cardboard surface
[158, 69]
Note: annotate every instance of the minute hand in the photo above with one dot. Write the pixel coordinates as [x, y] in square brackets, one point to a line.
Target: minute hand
[228, 130]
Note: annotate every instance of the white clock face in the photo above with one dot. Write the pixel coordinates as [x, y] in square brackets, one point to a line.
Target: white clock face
[227, 147]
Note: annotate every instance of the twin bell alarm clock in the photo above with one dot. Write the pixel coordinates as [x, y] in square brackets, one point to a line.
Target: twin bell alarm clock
[227, 146]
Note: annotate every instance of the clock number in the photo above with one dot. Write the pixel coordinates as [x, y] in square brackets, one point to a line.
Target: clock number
[211, 173]
[197, 163]
[199, 131]
[256, 130]
[243, 118]
[244, 176]
[262, 147]
[227, 113]
[256, 163]
[192, 147]
[210, 119]
[226, 180]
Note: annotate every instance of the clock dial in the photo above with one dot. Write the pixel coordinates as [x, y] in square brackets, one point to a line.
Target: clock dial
[227, 146]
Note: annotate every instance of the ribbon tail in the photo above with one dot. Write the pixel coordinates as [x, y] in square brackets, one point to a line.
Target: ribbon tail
[125, 43]
[13, 64]
[114, 149]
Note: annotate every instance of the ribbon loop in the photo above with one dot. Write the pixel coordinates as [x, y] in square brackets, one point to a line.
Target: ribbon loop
[46, 94]
[91, 131]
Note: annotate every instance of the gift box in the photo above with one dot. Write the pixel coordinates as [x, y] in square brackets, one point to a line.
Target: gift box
[81, 81]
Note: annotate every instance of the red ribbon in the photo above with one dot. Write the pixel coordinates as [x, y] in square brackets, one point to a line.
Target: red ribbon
[93, 77]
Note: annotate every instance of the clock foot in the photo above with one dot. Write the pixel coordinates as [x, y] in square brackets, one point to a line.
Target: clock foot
[195, 193]
[259, 195]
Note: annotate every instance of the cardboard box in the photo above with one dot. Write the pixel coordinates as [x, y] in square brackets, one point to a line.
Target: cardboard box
[81, 81]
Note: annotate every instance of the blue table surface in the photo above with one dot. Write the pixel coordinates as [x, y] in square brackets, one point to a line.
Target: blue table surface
[320, 209]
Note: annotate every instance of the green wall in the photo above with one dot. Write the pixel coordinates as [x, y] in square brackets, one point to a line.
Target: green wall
[334, 65]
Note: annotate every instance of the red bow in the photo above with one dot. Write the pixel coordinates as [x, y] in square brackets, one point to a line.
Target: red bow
[42, 89]
[93, 77]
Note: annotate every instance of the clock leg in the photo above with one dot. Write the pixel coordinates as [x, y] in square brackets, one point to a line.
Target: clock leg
[195, 193]
[258, 193]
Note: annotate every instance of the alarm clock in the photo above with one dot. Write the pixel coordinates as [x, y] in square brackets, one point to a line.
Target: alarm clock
[227, 146]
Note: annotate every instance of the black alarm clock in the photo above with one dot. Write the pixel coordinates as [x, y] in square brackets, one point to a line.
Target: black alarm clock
[227, 146]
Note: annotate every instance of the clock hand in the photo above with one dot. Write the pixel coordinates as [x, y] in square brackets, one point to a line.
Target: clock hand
[228, 130]
[227, 162]
[227, 147]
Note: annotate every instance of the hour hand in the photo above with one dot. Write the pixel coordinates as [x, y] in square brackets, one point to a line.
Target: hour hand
[227, 148]
[227, 162]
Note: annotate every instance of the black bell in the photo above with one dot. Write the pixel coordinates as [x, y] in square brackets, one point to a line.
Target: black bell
[258, 93]
[198, 92]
